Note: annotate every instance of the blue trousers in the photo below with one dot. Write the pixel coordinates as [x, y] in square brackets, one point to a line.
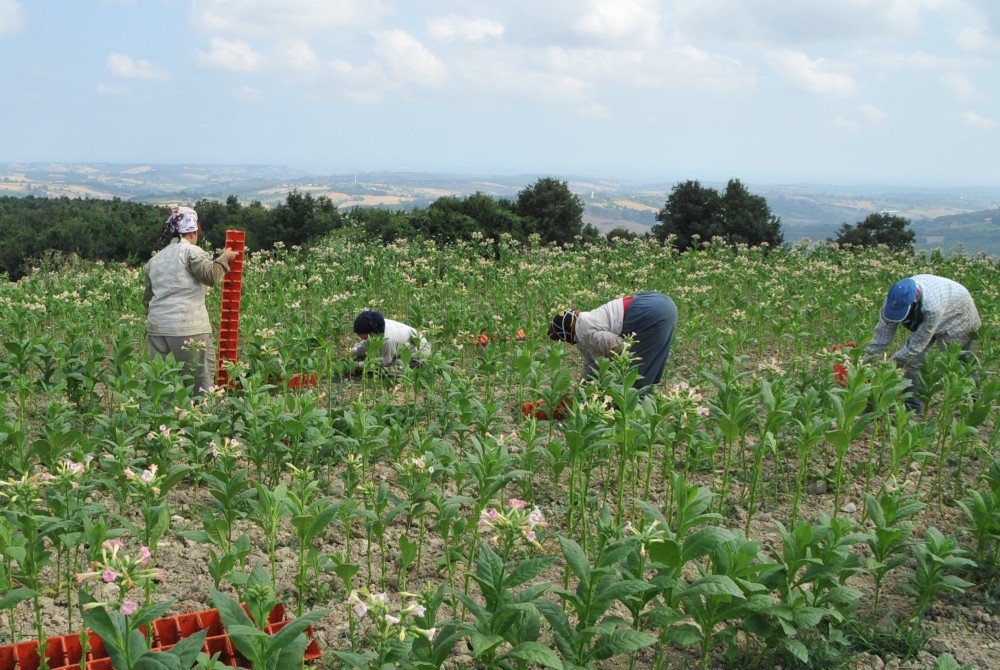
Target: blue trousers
[651, 319]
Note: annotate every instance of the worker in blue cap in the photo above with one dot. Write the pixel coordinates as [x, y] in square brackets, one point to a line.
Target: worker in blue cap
[933, 309]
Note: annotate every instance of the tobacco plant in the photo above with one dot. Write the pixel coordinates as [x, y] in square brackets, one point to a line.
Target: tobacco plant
[590, 635]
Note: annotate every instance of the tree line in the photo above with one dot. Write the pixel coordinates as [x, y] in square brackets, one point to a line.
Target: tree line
[32, 228]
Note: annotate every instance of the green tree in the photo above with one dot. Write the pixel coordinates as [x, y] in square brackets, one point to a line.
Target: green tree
[888, 229]
[620, 233]
[552, 210]
[691, 209]
[445, 220]
[747, 219]
[737, 216]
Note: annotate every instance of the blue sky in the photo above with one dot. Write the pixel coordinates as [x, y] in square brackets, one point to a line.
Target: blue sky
[901, 92]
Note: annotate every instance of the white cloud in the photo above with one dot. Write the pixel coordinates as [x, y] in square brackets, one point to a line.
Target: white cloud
[11, 18]
[122, 65]
[973, 38]
[230, 55]
[247, 93]
[872, 113]
[114, 90]
[285, 18]
[959, 84]
[596, 111]
[617, 20]
[781, 23]
[977, 120]
[845, 123]
[917, 60]
[815, 75]
[454, 28]
[676, 67]
[299, 55]
[407, 58]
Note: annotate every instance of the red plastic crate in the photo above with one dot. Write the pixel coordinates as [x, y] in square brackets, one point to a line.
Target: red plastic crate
[64, 652]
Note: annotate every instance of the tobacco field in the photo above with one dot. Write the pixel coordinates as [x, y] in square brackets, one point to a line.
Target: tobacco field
[757, 509]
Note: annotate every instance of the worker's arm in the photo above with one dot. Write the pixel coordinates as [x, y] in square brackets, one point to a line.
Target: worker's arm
[207, 270]
[598, 344]
[147, 296]
[884, 332]
[918, 341]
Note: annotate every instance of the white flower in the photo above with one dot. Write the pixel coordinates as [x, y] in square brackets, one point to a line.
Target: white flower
[360, 609]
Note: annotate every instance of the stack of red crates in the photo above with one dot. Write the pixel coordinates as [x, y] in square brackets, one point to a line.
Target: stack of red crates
[232, 291]
[65, 653]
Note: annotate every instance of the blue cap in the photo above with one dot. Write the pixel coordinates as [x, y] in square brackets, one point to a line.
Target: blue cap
[901, 297]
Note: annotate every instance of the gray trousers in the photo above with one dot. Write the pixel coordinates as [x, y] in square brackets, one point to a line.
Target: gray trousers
[195, 352]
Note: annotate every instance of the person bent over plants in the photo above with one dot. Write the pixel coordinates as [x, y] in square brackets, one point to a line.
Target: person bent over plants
[650, 318]
[933, 309]
[177, 278]
[395, 336]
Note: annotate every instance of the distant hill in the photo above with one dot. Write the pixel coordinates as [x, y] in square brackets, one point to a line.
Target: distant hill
[945, 218]
[972, 232]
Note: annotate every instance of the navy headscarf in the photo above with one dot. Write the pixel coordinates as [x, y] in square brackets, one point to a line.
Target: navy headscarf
[369, 321]
[562, 327]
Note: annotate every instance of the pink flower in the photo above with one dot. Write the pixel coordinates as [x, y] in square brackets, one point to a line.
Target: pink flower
[530, 535]
[392, 619]
[144, 555]
[130, 607]
[517, 503]
[147, 476]
[109, 575]
[111, 545]
[703, 411]
[164, 430]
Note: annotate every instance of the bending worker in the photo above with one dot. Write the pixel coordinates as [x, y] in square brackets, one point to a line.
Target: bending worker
[650, 318]
[933, 309]
[395, 336]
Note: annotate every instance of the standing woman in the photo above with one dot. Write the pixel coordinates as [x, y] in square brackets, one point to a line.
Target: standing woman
[177, 278]
[649, 317]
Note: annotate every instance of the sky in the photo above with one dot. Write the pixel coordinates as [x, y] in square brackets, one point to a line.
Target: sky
[896, 92]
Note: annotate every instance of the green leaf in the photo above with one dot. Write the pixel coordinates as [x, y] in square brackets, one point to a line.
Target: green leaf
[703, 541]
[292, 630]
[685, 635]
[483, 644]
[291, 655]
[157, 661]
[575, 559]
[622, 641]
[534, 652]
[666, 553]
[796, 649]
[16, 596]
[187, 649]
[233, 617]
[527, 570]
[713, 585]
[808, 617]
[356, 661]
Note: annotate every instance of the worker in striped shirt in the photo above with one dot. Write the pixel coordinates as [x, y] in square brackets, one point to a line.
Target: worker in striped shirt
[933, 309]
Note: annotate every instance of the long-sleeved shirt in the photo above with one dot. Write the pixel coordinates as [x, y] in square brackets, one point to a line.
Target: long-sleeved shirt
[397, 335]
[177, 278]
[947, 311]
[599, 333]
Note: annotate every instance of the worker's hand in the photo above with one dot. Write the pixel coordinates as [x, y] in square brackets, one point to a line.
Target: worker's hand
[228, 255]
